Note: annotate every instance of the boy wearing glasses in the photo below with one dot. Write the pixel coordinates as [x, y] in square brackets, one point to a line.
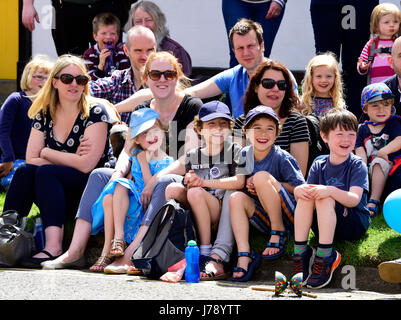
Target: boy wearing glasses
[210, 171]
[267, 202]
[106, 55]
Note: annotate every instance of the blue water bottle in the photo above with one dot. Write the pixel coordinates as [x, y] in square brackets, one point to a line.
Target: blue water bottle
[192, 273]
[39, 235]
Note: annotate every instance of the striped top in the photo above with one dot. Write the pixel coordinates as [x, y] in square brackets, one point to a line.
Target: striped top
[380, 68]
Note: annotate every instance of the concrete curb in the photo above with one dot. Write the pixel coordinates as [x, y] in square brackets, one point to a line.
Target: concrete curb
[345, 277]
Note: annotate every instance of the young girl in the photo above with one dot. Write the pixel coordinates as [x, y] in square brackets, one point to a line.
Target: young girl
[384, 27]
[322, 87]
[119, 204]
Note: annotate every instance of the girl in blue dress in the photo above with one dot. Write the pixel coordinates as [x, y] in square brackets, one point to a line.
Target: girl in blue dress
[118, 209]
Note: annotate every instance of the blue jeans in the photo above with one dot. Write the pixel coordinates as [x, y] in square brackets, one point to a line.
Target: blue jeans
[233, 10]
[56, 190]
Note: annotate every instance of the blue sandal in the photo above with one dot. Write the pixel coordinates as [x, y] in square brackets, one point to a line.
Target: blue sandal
[374, 210]
[251, 266]
[282, 245]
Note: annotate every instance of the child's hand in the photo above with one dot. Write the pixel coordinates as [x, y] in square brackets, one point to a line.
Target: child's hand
[250, 187]
[320, 191]
[382, 154]
[303, 192]
[104, 54]
[363, 67]
[192, 180]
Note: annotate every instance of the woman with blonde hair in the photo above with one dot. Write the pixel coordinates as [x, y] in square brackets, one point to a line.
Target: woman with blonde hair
[56, 168]
[322, 87]
[15, 125]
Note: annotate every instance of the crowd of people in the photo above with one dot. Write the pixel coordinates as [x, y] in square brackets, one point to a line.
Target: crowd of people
[109, 133]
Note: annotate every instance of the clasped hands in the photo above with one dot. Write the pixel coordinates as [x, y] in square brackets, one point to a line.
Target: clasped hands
[192, 180]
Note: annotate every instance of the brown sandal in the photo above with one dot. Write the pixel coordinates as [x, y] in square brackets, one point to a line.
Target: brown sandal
[102, 262]
[117, 248]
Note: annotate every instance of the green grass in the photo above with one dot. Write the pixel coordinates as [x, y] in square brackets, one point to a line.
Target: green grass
[380, 243]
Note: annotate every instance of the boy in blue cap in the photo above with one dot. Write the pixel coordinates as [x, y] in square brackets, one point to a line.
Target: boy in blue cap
[210, 170]
[379, 139]
[267, 202]
[332, 203]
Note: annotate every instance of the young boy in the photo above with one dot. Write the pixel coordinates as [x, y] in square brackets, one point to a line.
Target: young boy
[379, 140]
[210, 171]
[267, 201]
[333, 202]
[106, 55]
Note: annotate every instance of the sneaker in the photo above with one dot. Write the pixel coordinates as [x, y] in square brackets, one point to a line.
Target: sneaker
[323, 269]
[390, 271]
[303, 263]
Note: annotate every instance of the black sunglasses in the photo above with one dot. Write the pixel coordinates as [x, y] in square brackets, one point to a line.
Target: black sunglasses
[155, 75]
[67, 78]
[268, 83]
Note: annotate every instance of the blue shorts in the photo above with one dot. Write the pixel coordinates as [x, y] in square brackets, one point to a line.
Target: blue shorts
[260, 219]
[352, 223]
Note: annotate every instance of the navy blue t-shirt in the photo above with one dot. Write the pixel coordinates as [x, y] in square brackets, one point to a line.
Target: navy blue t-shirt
[351, 173]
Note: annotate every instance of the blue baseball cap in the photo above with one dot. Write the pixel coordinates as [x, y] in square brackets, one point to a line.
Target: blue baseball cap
[142, 120]
[214, 109]
[260, 110]
[375, 92]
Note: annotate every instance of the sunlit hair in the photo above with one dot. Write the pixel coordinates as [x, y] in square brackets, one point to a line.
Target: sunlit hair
[290, 101]
[183, 81]
[157, 15]
[39, 63]
[136, 148]
[329, 60]
[105, 19]
[47, 99]
[380, 11]
[335, 118]
[243, 27]
[137, 31]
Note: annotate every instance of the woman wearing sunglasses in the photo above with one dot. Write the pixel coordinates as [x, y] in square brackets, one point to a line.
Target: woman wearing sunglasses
[56, 168]
[164, 77]
[15, 125]
[271, 85]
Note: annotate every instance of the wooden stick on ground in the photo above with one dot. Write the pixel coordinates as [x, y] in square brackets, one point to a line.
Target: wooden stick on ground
[273, 290]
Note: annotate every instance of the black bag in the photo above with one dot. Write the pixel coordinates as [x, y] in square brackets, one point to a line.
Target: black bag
[317, 146]
[165, 241]
[16, 241]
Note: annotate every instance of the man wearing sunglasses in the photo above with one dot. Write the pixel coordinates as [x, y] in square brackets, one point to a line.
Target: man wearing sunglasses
[122, 84]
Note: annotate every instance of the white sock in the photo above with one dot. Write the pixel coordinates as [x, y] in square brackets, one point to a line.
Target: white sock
[205, 249]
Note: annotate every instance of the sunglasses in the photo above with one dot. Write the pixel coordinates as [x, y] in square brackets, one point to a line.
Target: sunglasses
[39, 78]
[67, 78]
[156, 74]
[268, 83]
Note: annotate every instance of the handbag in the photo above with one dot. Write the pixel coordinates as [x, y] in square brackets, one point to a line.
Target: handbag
[16, 240]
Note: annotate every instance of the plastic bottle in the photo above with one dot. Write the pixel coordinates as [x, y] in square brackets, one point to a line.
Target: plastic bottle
[192, 273]
[109, 61]
[39, 235]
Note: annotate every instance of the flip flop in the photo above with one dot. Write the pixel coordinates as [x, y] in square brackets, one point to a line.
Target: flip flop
[251, 266]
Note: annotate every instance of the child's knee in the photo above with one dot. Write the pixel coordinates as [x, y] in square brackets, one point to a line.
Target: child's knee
[263, 179]
[325, 203]
[173, 190]
[194, 194]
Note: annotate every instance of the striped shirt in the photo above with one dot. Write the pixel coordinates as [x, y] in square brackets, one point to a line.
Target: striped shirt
[380, 68]
[91, 58]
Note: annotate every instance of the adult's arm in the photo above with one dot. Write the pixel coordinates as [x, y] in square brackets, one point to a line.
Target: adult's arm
[300, 151]
[205, 89]
[138, 97]
[36, 143]
[29, 15]
[97, 133]
[7, 116]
